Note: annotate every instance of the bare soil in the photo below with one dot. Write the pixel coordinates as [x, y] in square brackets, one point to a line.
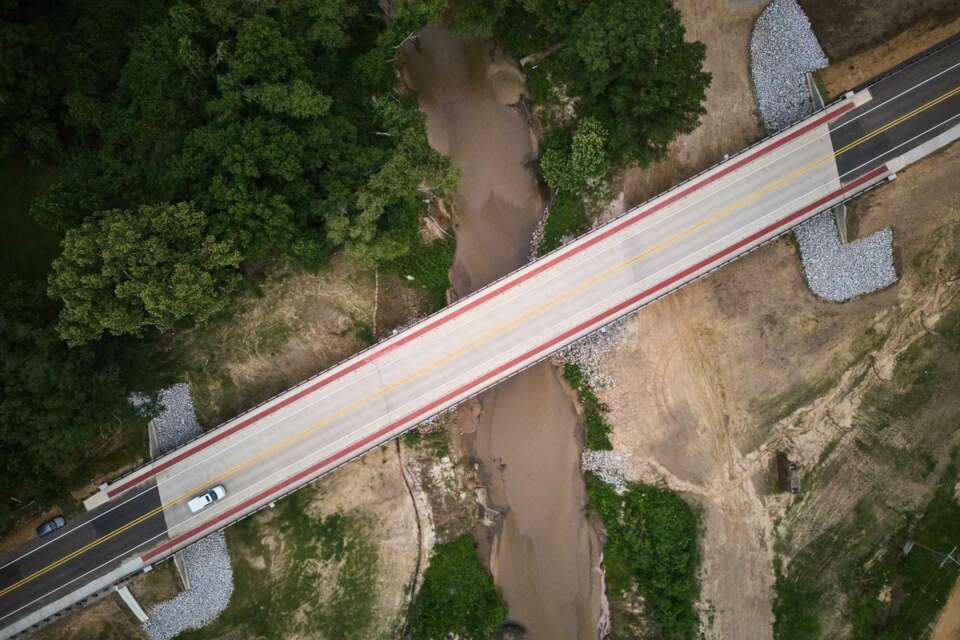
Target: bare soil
[705, 377]
[846, 27]
[858, 68]
[712, 381]
[948, 626]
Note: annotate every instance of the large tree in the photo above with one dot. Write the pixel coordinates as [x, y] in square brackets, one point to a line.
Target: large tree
[278, 120]
[56, 403]
[624, 63]
[154, 266]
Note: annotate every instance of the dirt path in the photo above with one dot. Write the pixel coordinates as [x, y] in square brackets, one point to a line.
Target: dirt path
[523, 433]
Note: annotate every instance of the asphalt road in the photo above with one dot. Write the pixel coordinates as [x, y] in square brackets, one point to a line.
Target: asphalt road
[40, 571]
[483, 339]
[933, 81]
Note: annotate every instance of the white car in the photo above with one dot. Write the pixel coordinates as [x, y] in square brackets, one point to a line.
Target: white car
[208, 497]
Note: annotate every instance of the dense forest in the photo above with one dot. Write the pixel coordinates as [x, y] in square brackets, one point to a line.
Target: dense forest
[189, 145]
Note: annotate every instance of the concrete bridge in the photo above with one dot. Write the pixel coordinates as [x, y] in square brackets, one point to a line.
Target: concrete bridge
[854, 144]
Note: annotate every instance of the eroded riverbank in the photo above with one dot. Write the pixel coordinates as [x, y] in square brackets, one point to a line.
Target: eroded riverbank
[543, 553]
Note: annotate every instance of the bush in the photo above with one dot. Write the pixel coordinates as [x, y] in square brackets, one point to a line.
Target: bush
[651, 546]
[595, 423]
[458, 598]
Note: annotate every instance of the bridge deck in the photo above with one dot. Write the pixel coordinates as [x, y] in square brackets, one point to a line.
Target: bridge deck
[483, 339]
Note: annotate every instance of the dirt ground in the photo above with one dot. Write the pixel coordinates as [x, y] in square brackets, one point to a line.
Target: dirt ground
[846, 27]
[542, 553]
[710, 381]
[859, 68]
[703, 376]
[948, 626]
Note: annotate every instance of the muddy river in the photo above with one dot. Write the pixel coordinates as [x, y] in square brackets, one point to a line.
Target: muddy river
[542, 552]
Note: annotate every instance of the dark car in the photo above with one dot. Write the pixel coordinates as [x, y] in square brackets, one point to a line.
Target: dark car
[50, 526]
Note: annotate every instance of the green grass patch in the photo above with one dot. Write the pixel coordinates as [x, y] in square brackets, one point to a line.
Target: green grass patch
[595, 423]
[898, 596]
[458, 598]
[319, 581]
[901, 429]
[796, 607]
[567, 218]
[652, 547]
[428, 264]
[434, 441]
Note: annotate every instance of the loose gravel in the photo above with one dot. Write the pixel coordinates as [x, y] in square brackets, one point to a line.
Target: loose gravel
[177, 422]
[590, 352]
[837, 271]
[207, 561]
[609, 466]
[783, 49]
[211, 579]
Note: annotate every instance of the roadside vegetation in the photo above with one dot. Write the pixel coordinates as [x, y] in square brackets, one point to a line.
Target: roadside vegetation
[904, 437]
[595, 423]
[458, 598]
[651, 558]
[652, 555]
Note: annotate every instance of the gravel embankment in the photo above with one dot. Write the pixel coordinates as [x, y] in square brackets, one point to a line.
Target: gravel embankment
[609, 466]
[211, 579]
[837, 271]
[177, 421]
[590, 352]
[207, 562]
[783, 49]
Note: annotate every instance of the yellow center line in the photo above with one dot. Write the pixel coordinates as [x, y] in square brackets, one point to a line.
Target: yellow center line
[417, 373]
[903, 118]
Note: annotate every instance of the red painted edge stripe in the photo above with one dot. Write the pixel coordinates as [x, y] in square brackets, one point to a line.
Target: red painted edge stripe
[539, 268]
[305, 473]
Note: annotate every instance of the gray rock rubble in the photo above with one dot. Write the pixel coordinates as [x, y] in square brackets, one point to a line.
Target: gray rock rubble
[609, 466]
[177, 422]
[211, 579]
[207, 561]
[837, 271]
[783, 49]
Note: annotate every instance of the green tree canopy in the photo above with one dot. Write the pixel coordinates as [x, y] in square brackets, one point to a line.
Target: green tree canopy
[624, 63]
[278, 120]
[458, 598]
[129, 270]
[569, 169]
[56, 402]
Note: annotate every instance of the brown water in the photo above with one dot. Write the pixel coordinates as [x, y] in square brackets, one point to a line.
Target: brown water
[524, 433]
